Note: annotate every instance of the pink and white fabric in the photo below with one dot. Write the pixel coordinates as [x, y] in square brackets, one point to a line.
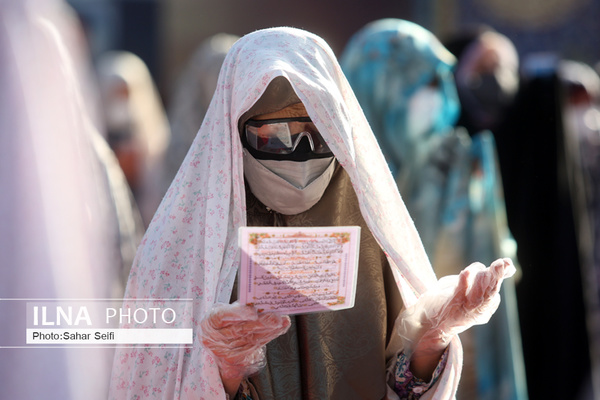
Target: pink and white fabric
[57, 224]
[190, 249]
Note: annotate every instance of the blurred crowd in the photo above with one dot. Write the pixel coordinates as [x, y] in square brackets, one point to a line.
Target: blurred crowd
[495, 154]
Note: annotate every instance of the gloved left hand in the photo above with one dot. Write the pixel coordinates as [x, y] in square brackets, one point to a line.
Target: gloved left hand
[453, 305]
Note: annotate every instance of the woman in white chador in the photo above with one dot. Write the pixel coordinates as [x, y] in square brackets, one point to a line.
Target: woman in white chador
[284, 117]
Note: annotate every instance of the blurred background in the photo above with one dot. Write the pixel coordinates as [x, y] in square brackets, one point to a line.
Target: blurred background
[165, 33]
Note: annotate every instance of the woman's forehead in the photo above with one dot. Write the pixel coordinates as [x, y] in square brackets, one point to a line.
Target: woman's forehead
[292, 111]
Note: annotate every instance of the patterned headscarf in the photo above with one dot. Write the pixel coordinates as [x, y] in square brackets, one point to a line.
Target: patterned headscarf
[191, 247]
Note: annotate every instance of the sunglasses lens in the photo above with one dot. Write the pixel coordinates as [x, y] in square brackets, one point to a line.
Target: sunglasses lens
[270, 138]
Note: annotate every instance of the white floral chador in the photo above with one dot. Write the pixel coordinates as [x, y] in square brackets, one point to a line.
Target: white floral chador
[190, 250]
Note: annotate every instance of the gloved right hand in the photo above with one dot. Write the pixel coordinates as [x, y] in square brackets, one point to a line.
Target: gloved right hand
[236, 334]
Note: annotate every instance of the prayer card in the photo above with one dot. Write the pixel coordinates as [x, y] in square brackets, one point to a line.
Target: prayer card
[295, 270]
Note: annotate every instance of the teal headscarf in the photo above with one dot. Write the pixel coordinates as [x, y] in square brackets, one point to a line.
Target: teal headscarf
[449, 181]
[387, 62]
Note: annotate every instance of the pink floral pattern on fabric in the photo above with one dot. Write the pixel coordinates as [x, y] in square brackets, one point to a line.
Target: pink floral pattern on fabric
[190, 249]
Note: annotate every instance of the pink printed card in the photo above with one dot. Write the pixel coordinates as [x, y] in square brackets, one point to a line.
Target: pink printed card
[299, 270]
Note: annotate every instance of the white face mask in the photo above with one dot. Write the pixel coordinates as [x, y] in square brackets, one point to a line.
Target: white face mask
[288, 187]
[118, 115]
[423, 109]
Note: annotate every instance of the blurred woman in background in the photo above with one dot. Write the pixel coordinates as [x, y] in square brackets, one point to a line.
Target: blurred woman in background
[64, 210]
[137, 125]
[403, 78]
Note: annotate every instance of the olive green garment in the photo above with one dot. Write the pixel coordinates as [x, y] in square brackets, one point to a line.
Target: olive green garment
[337, 354]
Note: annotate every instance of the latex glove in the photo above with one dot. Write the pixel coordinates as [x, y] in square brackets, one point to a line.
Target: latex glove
[236, 334]
[453, 305]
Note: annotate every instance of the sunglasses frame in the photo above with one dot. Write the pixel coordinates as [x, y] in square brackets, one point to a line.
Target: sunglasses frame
[299, 135]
